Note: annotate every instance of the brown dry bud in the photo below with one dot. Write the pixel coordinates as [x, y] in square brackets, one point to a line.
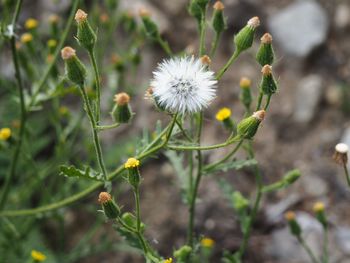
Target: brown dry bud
[80, 16]
[254, 22]
[266, 70]
[245, 83]
[266, 38]
[219, 6]
[144, 12]
[259, 115]
[121, 98]
[206, 60]
[289, 216]
[104, 197]
[67, 53]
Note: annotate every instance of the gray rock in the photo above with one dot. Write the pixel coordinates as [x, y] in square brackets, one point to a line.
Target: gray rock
[314, 186]
[284, 246]
[300, 27]
[274, 213]
[308, 96]
[342, 239]
[342, 16]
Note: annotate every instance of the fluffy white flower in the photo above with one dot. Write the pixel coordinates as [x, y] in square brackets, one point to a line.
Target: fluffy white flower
[183, 85]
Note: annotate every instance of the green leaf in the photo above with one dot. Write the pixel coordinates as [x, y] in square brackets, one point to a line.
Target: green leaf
[288, 179]
[88, 173]
[236, 165]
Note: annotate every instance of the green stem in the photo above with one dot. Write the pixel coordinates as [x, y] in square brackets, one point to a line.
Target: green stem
[63, 37]
[183, 131]
[165, 46]
[325, 245]
[259, 101]
[192, 207]
[98, 85]
[307, 249]
[138, 220]
[198, 147]
[94, 133]
[227, 65]
[202, 28]
[267, 102]
[256, 205]
[14, 160]
[346, 173]
[107, 127]
[228, 156]
[74, 198]
[214, 44]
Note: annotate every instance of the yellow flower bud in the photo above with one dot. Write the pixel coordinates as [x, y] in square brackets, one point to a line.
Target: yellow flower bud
[31, 23]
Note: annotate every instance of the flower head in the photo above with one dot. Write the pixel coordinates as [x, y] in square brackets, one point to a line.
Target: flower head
[121, 98]
[183, 85]
[207, 242]
[31, 23]
[80, 16]
[5, 133]
[67, 53]
[104, 197]
[132, 163]
[318, 207]
[37, 256]
[341, 153]
[245, 83]
[26, 38]
[223, 114]
[289, 216]
[169, 260]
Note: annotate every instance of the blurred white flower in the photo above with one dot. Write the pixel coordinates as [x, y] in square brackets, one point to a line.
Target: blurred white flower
[183, 85]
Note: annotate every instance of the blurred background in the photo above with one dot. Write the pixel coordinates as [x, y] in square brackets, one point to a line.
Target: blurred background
[308, 116]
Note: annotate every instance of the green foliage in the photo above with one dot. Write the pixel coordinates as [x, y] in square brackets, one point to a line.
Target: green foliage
[88, 173]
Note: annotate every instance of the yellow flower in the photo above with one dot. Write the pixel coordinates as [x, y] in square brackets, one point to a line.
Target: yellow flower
[51, 43]
[38, 256]
[318, 207]
[26, 38]
[169, 260]
[223, 114]
[131, 163]
[245, 83]
[5, 133]
[31, 23]
[207, 242]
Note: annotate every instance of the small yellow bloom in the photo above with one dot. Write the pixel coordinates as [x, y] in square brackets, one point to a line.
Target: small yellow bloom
[51, 43]
[207, 242]
[223, 114]
[26, 38]
[38, 256]
[289, 216]
[5, 133]
[63, 110]
[169, 260]
[318, 207]
[245, 83]
[31, 23]
[131, 163]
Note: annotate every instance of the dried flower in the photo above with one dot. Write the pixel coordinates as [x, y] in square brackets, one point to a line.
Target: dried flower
[80, 16]
[75, 69]
[183, 85]
[218, 6]
[206, 60]
[268, 85]
[31, 23]
[38, 256]
[265, 54]
[85, 35]
[121, 98]
[5, 134]
[244, 39]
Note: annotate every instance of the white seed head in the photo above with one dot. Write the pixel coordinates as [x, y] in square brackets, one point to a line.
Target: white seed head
[183, 85]
[342, 148]
[254, 22]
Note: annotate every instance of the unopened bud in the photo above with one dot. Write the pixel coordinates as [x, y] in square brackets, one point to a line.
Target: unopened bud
[75, 69]
[248, 127]
[218, 21]
[80, 16]
[291, 176]
[319, 210]
[111, 210]
[183, 253]
[244, 39]
[265, 54]
[268, 84]
[246, 95]
[294, 226]
[121, 112]
[219, 6]
[85, 35]
[151, 28]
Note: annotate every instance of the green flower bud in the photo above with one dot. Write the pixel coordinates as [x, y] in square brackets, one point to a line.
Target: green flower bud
[196, 11]
[265, 54]
[54, 20]
[75, 70]
[85, 35]
[132, 165]
[240, 203]
[111, 210]
[245, 96]
[268, 84]
[129, 22]
[292, 176]
[294, 226]
[183, 253]
[248, 127]
[244, 39]
[319, 210]
[151, 28]
[130, 220]
[219, 21]
[121, 112]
